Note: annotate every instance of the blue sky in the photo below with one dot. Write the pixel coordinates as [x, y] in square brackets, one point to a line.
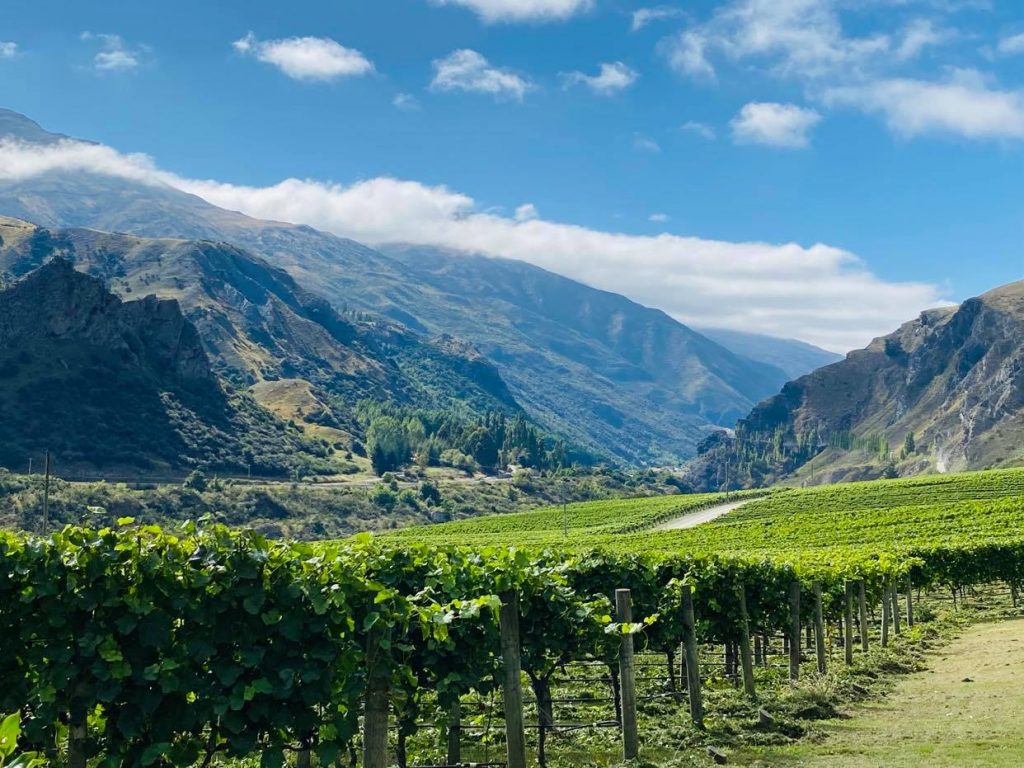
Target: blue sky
[891, 132]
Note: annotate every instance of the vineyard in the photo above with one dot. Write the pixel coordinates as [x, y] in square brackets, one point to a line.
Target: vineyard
[136, 646]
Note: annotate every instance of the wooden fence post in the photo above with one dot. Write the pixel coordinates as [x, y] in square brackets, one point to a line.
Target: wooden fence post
[794, 632]
[848, 624]
[819, 628]
[511, 684]
[692, 661]
[454, 756]
[627, 678]
[895, 608]
[78, 734]
[745, 660]
[885, 615]
[910, 602]
[863, 606]
[375, 718]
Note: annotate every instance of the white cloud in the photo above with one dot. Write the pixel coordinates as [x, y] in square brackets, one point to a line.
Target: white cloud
[646, 144]
[405, 102]
[963, 105]
[526, 212]
[1012, 45]
[612, 78]
[777, 125]
[115, 55]
[8, 50]
[687, 54]
[659, 218]
[921, 34]
[492, 11]
[803, 38]
[819, 293]
[703, 130]
[644, 16]
[467, 70]
[306, 58]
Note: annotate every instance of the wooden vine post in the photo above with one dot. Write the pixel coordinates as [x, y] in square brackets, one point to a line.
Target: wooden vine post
[819, 628]
[848, 624]
[745, 656]
[794, 632]
[692, 662]
[511, 683]
[375, 718]
[78, 734]
[885, 615]
[910, 602]
[627, 678]
[895, 608]
[862, 600]
[454, 756]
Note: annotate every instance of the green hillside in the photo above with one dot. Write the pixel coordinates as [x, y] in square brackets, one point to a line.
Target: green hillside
[817, 524]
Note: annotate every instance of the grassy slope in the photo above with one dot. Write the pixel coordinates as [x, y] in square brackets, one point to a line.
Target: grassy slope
[933, 718]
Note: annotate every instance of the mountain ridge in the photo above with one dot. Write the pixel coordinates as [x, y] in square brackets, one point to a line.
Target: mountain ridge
[649, 394]
[112, 384]
[944, 392]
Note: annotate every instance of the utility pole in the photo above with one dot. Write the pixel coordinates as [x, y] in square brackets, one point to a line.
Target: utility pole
[46, 496]
[30, 465]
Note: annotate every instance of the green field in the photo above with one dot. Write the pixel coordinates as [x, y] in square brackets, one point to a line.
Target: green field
[584, 522]
[825, 522]
[207, 644]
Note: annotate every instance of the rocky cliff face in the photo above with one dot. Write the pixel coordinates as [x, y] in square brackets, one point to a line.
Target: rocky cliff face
[115, 386]
[56, 304]
[953, 380]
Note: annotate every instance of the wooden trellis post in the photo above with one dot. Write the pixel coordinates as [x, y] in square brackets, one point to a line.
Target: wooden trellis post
[511, 683]
[848, 624]
[819, 628]
[885, 615]
[863, 606]
[745, 657]
[454, 756]
[910, 602]
[794, 632]
[895, 608]
[627, 678]
[692, 661]
[375, 718]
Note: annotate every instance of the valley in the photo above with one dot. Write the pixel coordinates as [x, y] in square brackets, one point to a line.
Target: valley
[309, 457]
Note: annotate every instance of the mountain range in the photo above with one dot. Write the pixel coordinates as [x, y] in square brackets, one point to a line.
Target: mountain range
[338, 321]
[944, 392]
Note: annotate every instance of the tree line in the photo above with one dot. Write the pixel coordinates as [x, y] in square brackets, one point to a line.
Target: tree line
[397, 436]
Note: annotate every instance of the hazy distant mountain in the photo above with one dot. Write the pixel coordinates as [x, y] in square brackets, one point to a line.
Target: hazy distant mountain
[793, 357]
[615, 377]
[953, 379]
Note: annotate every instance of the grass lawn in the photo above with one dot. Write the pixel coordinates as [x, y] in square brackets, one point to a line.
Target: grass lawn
[932, 718]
